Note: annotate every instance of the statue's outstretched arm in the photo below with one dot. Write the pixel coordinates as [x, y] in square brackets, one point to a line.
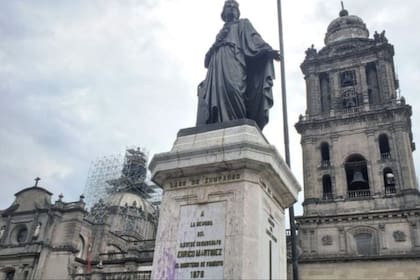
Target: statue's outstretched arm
[274, 54]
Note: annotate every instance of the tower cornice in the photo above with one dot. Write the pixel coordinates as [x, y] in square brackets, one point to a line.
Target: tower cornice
[348, 49]
[386, 111]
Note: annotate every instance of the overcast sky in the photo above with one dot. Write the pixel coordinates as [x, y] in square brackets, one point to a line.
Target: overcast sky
[84, 79]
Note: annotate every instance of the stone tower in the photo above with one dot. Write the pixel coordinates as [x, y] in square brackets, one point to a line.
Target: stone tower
[361, 198]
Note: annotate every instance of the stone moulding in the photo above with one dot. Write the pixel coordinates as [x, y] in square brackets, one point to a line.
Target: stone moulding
[345, 218]
[337, 258]
[227, 149]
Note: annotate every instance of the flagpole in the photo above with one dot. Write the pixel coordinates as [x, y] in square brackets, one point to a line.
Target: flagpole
[286, 141]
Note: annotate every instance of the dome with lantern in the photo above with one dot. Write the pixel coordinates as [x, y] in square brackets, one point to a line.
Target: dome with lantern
[346, 27]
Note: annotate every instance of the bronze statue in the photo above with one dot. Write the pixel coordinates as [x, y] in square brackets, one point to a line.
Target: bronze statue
[240, 73]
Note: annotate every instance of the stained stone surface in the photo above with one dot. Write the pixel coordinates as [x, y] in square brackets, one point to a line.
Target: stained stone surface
[222, 214]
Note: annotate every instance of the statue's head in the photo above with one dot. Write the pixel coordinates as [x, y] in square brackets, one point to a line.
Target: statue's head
[230, 11]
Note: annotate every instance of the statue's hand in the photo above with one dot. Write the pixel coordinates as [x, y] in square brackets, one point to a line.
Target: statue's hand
[274, 54]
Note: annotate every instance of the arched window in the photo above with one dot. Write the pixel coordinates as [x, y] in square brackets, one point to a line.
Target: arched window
[384, 147]
[327, 193]
[325, 155]
[389, 181]
[357, 176]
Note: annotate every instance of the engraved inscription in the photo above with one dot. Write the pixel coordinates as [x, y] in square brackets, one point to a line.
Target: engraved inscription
[200, 244]
[204, 180]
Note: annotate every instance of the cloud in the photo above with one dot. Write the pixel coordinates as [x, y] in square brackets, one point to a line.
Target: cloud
[78, 80]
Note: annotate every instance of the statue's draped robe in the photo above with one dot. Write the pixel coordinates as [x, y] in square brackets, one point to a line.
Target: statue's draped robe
[239, 77]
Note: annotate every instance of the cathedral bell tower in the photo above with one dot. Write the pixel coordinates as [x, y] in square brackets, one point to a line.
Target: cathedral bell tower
[361, 197]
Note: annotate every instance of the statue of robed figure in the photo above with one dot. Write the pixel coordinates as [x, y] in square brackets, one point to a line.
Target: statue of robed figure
[240, 73]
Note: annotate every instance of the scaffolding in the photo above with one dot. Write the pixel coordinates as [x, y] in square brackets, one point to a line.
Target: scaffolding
[133, 174]
[101, 170]
[156, 195]
[117, 173]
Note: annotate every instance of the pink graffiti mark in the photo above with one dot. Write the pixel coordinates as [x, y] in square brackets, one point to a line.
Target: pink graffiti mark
[166, 266]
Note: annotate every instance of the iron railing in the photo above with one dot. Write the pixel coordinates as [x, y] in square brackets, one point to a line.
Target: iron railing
[390, 190]
[358, 194]
[386, 156]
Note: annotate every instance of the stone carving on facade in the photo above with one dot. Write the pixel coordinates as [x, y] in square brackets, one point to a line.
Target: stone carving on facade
[2, 230]
[311, 52]
[301, 117]
[37, 231]
[100, 265]
[399, 236]
[380, 37]
[402, 100]
[327, 240]
[126, 210]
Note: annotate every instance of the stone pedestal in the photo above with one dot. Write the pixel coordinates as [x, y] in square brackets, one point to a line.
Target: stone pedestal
[222, 214]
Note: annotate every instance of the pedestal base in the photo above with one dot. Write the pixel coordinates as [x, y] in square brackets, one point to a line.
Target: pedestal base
[222, 214]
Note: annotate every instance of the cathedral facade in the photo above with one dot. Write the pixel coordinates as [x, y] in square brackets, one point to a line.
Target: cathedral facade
[41, 239]
[361, 216]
